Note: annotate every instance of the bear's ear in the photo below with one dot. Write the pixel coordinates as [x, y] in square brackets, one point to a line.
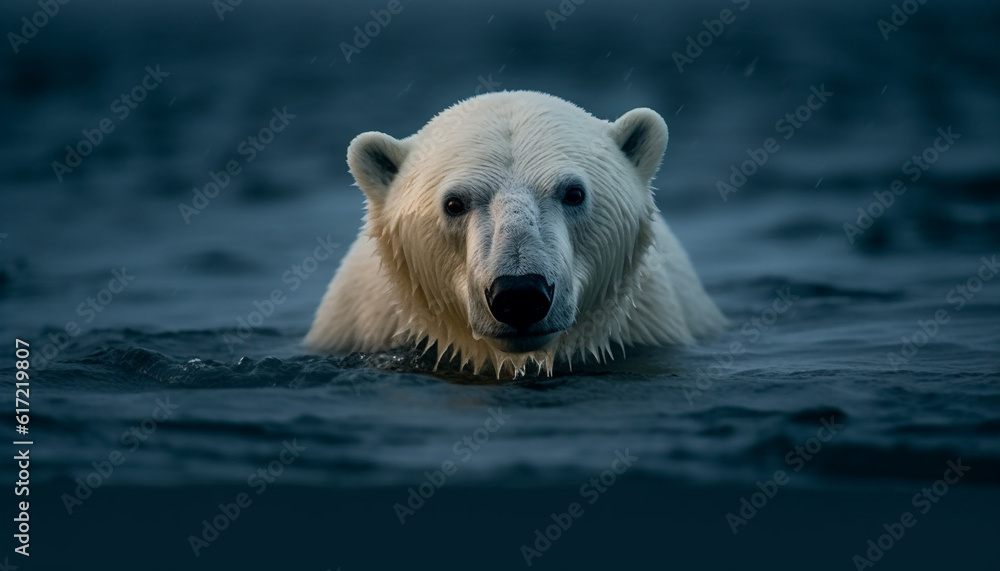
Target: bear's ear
[375, 159]
[642, 135]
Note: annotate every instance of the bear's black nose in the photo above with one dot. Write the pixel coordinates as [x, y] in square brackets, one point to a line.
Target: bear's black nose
[519, 300]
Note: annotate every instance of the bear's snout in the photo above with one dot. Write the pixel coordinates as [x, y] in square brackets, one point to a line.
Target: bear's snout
[520, 301]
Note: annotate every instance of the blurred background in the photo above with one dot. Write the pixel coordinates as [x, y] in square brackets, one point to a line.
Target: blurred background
[167, 166]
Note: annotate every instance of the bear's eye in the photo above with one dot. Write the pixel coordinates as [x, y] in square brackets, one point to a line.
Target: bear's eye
[454, 206]
[574, 196]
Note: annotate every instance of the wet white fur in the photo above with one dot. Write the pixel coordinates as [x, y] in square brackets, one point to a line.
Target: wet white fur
[414, 274]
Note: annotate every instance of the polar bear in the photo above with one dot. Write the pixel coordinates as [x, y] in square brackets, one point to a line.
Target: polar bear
[514, 232]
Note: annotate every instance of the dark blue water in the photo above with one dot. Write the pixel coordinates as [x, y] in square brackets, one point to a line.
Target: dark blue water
[861, 360]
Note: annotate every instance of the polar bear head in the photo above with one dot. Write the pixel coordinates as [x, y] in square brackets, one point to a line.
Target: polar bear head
[507, 223]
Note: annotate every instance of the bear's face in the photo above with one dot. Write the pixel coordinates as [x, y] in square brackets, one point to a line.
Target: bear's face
[509, 218]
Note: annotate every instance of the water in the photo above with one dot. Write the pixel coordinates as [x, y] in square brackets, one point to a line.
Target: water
[165, 355]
